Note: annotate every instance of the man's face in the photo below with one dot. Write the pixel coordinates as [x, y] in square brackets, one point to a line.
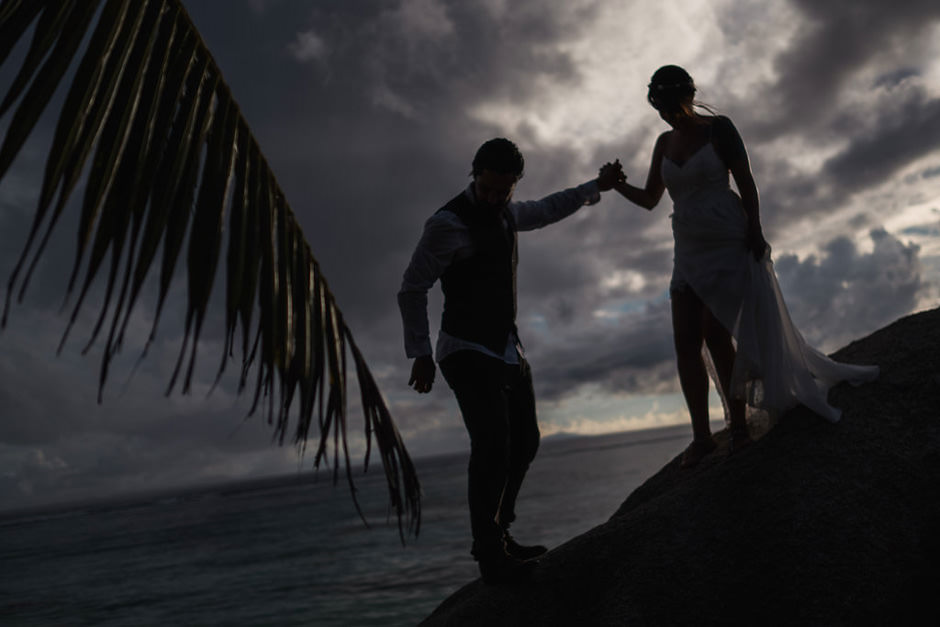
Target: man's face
[493, 190]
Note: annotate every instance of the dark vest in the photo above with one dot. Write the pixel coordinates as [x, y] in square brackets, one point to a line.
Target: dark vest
[480, 290]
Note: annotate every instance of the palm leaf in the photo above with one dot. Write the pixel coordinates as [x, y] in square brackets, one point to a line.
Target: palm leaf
[174, 158]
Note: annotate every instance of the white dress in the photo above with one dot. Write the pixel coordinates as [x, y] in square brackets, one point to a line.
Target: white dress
[774, 368]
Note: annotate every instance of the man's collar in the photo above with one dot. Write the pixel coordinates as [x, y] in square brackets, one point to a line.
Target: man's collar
[470, 193]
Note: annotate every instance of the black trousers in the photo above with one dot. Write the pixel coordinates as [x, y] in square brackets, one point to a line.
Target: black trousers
[498, 407]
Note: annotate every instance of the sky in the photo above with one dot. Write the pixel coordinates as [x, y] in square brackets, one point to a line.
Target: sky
[369, 113]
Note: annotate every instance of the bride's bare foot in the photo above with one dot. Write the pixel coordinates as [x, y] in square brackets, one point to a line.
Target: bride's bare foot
[698, 449]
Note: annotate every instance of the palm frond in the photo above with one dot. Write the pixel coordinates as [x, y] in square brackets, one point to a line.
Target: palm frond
[172, 155]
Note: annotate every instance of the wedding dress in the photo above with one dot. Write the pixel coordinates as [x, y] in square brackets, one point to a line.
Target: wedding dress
[775, 369]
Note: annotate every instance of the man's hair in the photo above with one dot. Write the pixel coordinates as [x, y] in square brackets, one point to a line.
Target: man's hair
[499, 155]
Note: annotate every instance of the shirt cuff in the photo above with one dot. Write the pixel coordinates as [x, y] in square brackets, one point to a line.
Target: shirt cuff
[591, 192]
[418, 349]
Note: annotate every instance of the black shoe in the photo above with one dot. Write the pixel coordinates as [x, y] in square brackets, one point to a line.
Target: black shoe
[501, 568]
[520, 551]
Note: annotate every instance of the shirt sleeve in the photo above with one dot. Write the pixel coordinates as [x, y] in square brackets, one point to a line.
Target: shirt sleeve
[534, 214]
[439, 242]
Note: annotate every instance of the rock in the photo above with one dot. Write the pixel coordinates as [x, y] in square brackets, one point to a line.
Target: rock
[814, 524]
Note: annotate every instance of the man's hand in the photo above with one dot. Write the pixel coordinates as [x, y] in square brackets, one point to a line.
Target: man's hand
[422, 374]
[609, 175]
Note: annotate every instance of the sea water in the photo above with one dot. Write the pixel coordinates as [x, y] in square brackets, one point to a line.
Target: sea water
[291, 551]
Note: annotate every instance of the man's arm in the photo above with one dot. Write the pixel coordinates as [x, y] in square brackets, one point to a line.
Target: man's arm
[535, 214]
[439, 242]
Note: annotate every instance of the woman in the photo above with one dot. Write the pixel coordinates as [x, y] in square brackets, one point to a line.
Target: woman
[723, 284]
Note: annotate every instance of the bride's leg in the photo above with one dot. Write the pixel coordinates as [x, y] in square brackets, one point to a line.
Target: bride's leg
[718, 340]
[688, 334]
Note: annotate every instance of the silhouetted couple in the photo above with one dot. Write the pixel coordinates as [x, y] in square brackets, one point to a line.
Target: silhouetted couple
[723, 286]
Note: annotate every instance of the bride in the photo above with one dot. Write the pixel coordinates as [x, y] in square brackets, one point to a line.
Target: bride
[723, 284]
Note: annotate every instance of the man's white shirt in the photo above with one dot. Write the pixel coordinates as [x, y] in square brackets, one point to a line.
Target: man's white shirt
[446, 239]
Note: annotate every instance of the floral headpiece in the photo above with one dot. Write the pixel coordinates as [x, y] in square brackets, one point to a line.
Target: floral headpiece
[665, 86]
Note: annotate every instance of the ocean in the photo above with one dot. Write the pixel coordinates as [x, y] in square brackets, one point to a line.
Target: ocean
[293, 551]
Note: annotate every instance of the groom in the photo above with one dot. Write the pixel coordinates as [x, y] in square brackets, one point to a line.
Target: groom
[470, 245]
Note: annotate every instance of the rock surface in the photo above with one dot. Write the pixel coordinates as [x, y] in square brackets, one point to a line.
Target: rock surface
[814, 524]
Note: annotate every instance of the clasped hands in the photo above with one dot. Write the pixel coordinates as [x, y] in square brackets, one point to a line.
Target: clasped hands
[609, 175]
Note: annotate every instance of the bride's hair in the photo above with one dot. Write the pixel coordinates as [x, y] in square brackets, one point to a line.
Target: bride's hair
[672, 91]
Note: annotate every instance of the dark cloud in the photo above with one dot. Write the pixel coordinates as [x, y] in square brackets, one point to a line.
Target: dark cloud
[860, 220]
[365, 111]
[840, 39]
[632, 355]
[907, 129]
[853, 75]
[844, 292]
[370, 142]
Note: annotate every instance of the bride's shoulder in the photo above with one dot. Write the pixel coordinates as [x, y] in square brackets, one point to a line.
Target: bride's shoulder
[720, 122]
[661, 143]
[727, 140]
[664, 137]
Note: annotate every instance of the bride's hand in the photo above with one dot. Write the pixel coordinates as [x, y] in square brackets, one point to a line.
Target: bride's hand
[610, 174]
[756, 242]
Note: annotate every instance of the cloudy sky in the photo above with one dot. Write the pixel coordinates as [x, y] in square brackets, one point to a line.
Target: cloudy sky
[369, 113]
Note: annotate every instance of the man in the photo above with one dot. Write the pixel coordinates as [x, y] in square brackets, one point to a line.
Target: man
[470, 245]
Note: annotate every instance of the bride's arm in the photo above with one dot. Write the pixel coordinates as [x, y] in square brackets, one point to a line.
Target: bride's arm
[647, 197]
[740, 168]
